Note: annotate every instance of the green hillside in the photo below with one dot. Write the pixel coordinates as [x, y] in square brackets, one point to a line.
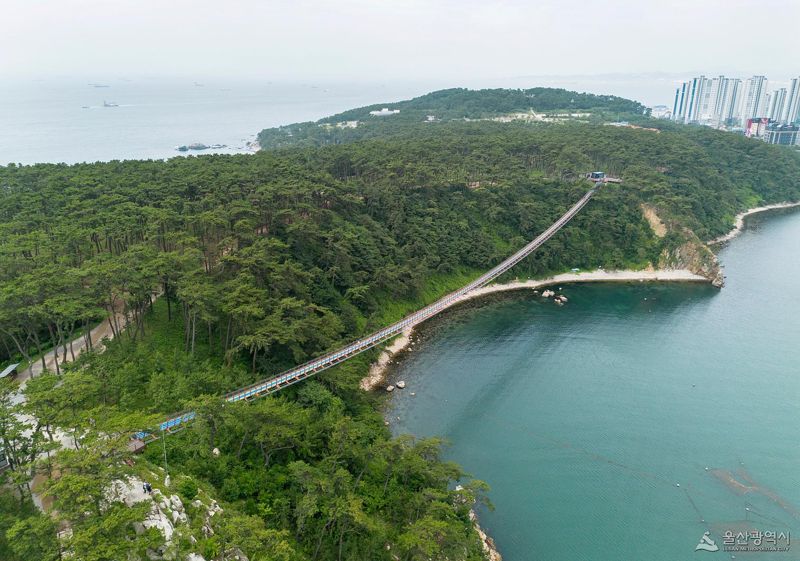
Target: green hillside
[232, 268]
[444, 106]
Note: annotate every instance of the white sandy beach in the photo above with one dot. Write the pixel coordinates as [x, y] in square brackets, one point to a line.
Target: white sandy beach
[738, 223]
[663, 275]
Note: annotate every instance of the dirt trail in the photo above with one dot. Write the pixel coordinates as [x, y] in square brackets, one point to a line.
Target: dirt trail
[101, 331]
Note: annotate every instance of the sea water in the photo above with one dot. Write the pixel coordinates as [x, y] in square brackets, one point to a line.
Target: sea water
[629, 422]
[64, 119]
[67, 120]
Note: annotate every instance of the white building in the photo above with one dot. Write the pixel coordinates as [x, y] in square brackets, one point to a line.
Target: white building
[721, 101]
[776, 104]
[688, 99]
[714, 101]
[754, 98]
[792, 108]
[385, 112]
[730, 102]
[678, 105]
[660, 112]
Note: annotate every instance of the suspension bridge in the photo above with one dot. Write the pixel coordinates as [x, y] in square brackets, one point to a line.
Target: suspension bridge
[300, 373]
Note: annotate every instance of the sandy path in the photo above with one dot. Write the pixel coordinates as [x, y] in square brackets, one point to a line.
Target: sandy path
[671, 275]
[98, 333]
[101, 331]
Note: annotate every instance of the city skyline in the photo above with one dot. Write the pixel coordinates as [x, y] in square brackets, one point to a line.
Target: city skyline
[730, 102]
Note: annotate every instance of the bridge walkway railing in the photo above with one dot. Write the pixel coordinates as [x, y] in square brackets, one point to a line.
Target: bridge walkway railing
[299, 373]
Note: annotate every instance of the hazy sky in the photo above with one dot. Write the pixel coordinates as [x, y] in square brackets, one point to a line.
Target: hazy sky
[396, 39]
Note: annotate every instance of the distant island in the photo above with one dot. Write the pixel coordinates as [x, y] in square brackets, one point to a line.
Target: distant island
[199, 146]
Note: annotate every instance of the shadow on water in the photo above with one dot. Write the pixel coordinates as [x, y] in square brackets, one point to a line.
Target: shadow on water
[482, 331]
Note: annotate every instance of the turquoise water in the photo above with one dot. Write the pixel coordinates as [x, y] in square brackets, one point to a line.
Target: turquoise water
[584, 419]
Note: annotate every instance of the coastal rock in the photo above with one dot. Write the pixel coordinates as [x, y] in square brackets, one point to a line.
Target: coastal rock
[489, 547]
[389, 388]
[193, 146]
[401, 384]
[548, 294]
[695, 256]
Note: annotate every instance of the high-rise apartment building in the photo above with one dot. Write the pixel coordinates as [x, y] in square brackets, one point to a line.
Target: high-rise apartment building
[714, 101]
[716, 95]
[791, 112]
[678, 106]
[777, 101]
[744, 105]
[706, 102]
[730, 102]
[754, 98]
[688, 99]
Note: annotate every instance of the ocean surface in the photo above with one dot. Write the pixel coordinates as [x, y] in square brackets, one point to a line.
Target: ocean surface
[65, 120]
[634, 419]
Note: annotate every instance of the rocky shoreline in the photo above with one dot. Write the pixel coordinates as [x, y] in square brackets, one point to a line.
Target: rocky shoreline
[489, 546]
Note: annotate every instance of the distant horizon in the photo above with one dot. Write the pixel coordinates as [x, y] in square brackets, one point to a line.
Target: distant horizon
[590, 83]
[100, 76]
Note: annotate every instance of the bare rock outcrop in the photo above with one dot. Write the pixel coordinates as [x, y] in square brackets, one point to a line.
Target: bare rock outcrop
[695, 256]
